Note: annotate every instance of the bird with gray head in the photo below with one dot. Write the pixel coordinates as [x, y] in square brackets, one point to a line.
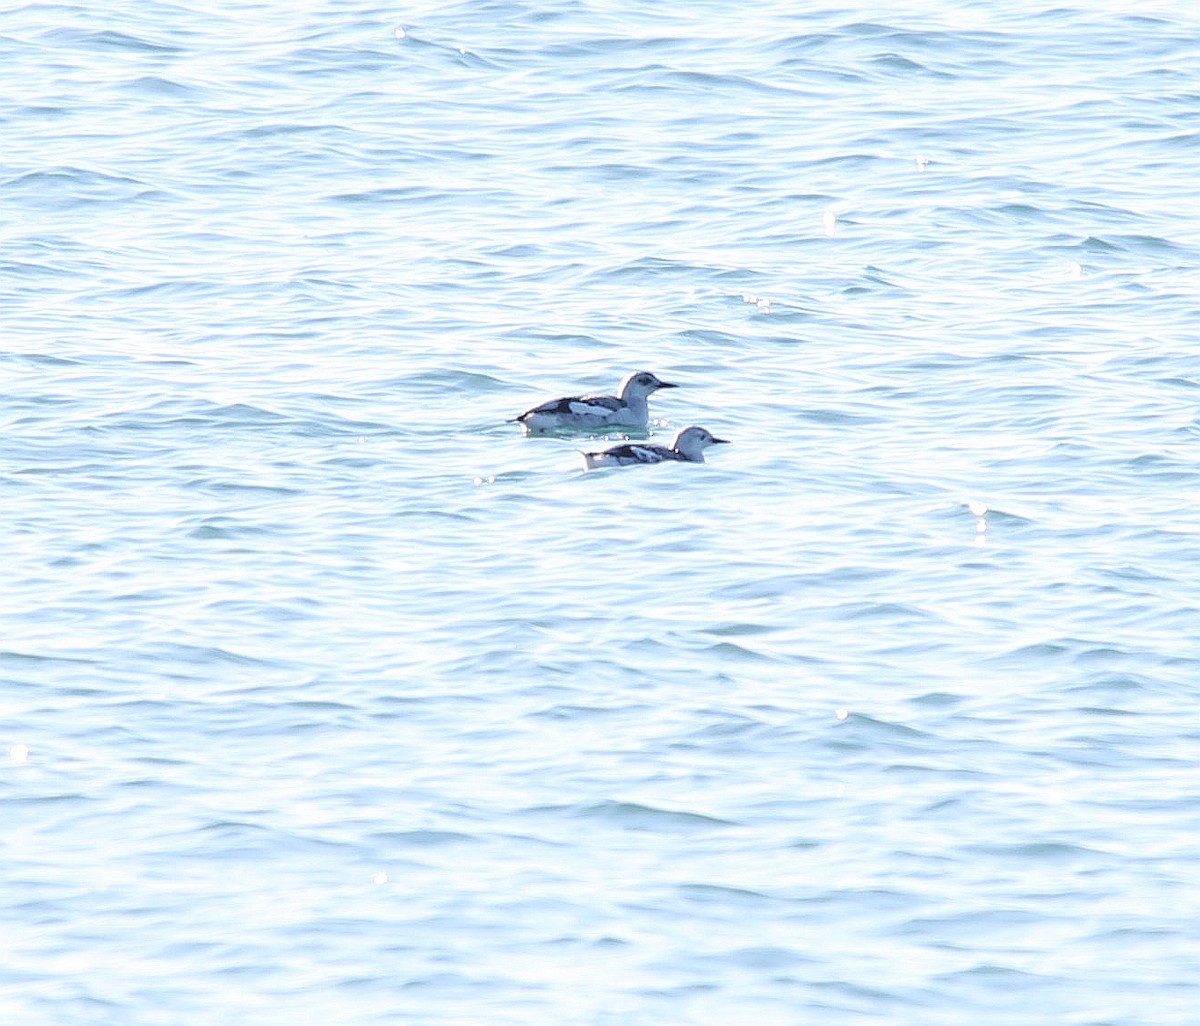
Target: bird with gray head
[597, 413]
[686, 447]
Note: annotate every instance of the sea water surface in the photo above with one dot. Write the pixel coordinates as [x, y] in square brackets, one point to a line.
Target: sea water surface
[328, 697]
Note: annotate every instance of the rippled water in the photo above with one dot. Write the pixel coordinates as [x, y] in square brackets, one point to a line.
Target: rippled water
[329, 697]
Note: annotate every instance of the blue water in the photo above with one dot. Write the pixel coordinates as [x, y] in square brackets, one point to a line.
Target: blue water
[328, 697]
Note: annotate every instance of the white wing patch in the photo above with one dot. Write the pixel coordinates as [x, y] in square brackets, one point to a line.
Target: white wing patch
[648, 454]
[592, 407]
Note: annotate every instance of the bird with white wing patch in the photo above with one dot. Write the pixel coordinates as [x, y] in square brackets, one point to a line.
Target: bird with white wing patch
[687, 447]
[597, 413]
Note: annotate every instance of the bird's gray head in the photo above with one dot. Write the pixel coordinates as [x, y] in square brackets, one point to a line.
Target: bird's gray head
[640, 384]
[692, 441]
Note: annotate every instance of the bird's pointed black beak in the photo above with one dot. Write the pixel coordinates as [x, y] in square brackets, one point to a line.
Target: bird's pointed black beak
[667, 384]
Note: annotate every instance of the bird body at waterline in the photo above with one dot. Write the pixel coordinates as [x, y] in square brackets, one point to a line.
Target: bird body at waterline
[686, 447]
[597, 413]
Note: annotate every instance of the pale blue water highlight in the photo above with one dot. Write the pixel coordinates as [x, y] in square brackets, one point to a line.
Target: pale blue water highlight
[328, 697]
